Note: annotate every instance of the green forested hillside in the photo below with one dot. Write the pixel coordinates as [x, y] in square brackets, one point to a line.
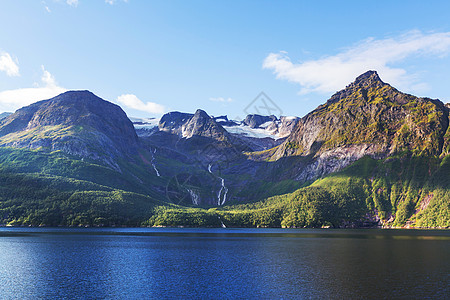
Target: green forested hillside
[355, 197]
[413, 189]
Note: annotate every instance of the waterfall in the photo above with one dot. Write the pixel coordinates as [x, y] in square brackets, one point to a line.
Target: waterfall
[194, 196]
[153, 163]
[221, 223]
[225, 191]
[222, 195]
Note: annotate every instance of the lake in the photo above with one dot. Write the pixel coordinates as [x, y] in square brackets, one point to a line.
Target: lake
[192, 263]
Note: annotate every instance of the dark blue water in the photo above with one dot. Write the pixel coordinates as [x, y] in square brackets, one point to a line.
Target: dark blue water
[223, 263]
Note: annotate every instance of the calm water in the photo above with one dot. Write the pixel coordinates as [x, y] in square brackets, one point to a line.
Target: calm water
[223, 263]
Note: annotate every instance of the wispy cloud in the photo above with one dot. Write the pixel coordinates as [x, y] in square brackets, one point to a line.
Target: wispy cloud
[132, 101]
[220, 99]
[8, 65]
[112, 2]
[73, 3]
[331, 73]
[10, 100]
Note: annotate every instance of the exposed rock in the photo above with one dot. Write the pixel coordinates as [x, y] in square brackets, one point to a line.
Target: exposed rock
[286, 125]
[201, 124]
[172, 122]
[255, 121]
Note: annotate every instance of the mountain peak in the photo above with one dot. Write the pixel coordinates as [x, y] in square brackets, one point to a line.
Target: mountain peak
[368, 75]
[104, 122]
[201, 113]
[368, 79]
[77, 92]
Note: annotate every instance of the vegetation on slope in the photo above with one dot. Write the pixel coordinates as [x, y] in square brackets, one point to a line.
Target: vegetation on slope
[402, 190]
[358, 196]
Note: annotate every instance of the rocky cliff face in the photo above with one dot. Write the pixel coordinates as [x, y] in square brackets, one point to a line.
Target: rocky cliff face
[368, 117]
[77, 122]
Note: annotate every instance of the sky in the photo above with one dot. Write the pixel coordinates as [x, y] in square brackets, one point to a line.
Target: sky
[226, 57]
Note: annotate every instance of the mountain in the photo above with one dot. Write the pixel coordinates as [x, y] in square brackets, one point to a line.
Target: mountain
[367, 118]
[189, 125]
[369, 156]
[76, 122]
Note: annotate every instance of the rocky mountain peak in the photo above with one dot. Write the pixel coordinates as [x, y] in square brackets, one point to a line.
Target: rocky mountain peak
[369, 78]
[201, 124]
[362, 84]
[199, 113]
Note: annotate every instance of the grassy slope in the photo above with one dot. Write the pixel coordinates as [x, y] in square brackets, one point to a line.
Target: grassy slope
[414, 189]
[132, 176]
[37, 188]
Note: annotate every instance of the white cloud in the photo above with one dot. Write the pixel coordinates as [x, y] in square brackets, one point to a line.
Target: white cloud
[112, 2]
[332, 73]
[221, 99]
[8, 65]
[47, 78]
[10, 100]
[73, 3]
[131, 101]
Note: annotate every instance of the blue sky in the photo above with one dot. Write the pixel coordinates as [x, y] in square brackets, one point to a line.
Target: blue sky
[157, 56]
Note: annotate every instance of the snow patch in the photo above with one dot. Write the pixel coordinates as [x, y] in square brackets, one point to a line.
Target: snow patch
[259, 133]
[145, 123]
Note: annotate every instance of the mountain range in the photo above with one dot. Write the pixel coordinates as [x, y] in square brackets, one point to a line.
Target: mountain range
[369, 156]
